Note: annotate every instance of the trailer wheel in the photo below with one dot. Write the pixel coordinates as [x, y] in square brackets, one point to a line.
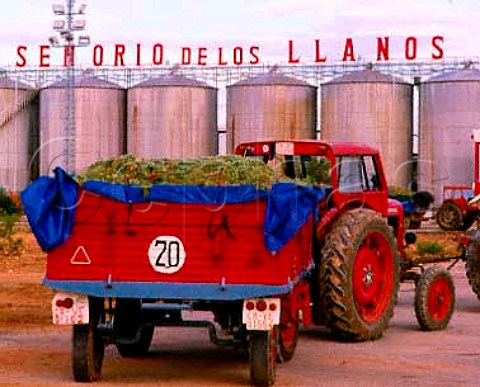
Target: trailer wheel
[359, 276]
[472, 264]
[88, 347]
[287, 340]
[434, 299]
[449, 217]
[262, 357]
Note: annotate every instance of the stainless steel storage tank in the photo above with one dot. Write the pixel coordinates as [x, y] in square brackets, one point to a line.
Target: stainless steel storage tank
[18, 133]
[370, 107]
[270, 106]
[99, 108]
[172, 116]
[449, 112]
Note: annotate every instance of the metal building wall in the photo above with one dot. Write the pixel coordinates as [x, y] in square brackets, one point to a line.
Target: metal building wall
[18, 134]
[449, 111]
[270, 106]
[376, 109]
[172, 116]
[99, 122]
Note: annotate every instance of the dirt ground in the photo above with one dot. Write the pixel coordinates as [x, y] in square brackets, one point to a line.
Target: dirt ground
[34, 353]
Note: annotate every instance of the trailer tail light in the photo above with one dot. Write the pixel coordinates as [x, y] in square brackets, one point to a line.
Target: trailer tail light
[261, 306]
[70, 309]
[261, 313]
[66, 303]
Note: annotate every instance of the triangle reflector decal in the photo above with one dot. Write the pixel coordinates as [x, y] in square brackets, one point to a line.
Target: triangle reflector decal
[80, 257]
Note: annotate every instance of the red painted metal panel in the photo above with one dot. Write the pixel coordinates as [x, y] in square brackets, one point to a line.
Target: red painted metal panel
[222, 244]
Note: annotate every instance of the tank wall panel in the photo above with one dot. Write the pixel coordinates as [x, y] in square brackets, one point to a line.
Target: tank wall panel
[377, 114]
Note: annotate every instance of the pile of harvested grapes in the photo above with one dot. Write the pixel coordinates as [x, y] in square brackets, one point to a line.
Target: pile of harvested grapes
[205, 171]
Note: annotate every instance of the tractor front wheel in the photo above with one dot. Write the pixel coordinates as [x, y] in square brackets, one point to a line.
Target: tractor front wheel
[359, 276]
[434, 299]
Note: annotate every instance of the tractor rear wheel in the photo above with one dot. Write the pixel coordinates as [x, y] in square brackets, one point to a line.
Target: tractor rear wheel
[450, 217]
[472, 264]
[434, 299]
[359, 276]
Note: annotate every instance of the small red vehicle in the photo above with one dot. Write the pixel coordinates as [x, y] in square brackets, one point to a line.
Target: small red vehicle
[460, 205]
[325, 252]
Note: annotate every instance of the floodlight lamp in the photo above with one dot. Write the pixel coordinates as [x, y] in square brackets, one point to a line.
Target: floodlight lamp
[78, 25]
[67, 35]
[54, 40]
[81, 9]
[58, 25]
[83, 40]
[58, 9]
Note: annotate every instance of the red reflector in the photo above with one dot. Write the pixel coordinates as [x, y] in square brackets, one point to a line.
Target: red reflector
[250, 305]
[464, 241]
[66, 303]
[261, 306]
[272, 307]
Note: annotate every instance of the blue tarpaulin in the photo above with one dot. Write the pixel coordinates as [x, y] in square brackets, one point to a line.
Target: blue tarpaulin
[49, 204]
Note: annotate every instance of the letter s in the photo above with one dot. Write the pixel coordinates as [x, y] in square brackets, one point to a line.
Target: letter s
[21, 51]
[436, 40]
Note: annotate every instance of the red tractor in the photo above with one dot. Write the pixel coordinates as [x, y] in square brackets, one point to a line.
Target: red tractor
[327, 250]
[460, 209]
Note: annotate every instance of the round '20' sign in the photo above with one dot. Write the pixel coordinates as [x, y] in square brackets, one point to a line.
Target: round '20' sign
[167, 254]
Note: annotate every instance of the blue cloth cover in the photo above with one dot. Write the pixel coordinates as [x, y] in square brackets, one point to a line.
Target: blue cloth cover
[50, 204]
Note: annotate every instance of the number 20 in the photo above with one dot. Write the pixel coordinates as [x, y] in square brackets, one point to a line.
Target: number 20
[172, 256]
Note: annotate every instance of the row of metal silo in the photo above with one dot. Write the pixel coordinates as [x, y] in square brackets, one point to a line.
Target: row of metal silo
[175, 116]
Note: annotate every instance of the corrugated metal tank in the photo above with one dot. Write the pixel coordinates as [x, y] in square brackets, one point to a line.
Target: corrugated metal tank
[270, 106]
[449, 112]
[370, 107]
[99, 122]
[18, 134]
[172, 116]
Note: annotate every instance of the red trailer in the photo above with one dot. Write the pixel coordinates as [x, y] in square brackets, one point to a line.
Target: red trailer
[262, 261]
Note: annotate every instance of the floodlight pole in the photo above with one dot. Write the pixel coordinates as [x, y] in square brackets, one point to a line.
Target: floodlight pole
[70, 132]
[69, 44]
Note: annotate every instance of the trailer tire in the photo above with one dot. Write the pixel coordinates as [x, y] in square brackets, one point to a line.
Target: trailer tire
[88, 347]
[434, 299]
[449, 217]
[262, 357]
[287, 340]
[359, 276]
[472, 264]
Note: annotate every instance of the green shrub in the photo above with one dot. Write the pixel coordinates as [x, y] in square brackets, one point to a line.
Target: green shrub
[429, 248]
[9, 243]
[9, 216]
[7, 205]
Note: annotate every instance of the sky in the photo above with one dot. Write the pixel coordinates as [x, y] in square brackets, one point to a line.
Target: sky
[262, 31]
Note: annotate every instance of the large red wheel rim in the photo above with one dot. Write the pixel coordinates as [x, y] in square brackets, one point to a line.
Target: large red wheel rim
[439, 299]
[373, 277]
